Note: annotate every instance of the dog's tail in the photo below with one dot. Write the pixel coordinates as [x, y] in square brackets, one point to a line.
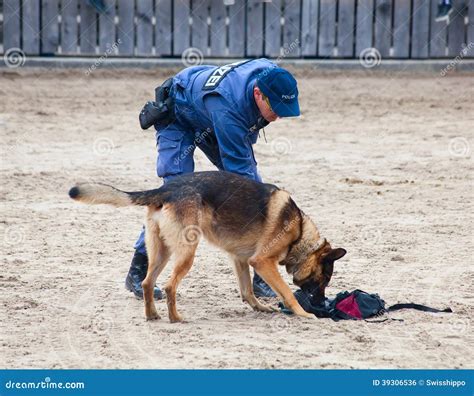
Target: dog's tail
[98, 193]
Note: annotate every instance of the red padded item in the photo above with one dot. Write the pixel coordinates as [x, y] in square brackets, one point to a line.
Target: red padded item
[350, 307]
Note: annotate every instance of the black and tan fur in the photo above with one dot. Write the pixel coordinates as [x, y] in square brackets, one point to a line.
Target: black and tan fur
[258, 224]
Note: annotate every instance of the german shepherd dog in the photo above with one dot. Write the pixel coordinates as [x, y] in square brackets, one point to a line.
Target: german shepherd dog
[258, 224]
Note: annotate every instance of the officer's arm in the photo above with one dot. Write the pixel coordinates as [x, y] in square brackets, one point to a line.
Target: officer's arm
[233, 137]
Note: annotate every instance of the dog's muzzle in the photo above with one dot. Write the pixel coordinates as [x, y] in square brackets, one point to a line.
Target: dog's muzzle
[313, 292]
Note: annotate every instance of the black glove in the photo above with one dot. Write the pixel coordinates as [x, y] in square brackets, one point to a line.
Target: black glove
[150, 114]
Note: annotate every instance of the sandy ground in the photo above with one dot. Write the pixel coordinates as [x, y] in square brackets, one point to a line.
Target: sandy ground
[382, 163]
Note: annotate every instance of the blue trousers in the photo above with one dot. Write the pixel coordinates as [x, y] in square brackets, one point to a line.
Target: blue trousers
[175, 145]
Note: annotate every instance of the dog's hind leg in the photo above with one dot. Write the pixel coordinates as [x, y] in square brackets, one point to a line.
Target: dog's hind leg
[158, 256]
[246, 290]
[184, 262]
[266, 267]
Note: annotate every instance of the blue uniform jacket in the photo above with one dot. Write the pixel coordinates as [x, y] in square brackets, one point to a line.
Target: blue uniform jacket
[219, 101]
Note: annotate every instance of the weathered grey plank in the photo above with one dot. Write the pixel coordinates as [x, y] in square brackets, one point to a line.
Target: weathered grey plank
[401, 28]
[327, 28]
[237, 29]
[125, 27]
[144, 16]
[438, 34]
[31, 27]
[292, 29]
[420, 28]
[218, 28]
[88, 28]
[107, 40]
[470, 30]
[200, 28]
[181, 29]
[255, 32]
[11, 24]
[364, 32]
[69, 27]
[383, 26]
[345, 28]
[163, 34]
[49, 26]
[309, 27]
[456, 28]
[273, 28]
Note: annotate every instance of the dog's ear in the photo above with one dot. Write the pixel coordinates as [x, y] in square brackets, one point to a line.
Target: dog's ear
[335, 254]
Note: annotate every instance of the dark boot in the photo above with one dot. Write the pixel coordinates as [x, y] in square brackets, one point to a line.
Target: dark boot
[136, 274]
[445, 9]
[260, 288]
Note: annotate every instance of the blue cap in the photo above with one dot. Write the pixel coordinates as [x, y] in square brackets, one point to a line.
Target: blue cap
[279, 86]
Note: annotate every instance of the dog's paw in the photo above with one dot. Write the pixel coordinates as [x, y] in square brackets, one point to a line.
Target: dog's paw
[272, 308]
[176, 319]
[153, 316]
[264, 308]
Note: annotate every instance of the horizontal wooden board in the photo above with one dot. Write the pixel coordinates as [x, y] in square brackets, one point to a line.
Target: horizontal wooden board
[401, 29]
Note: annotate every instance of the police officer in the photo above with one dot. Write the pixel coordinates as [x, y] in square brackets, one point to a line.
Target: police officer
[220, 110]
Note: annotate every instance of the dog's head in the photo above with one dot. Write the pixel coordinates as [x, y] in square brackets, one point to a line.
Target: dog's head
[314, 275]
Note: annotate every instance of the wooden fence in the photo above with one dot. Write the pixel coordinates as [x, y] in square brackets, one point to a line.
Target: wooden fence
[238, 28]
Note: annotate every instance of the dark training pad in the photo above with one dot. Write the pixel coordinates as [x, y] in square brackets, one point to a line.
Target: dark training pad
[354, 305]
[321, 309]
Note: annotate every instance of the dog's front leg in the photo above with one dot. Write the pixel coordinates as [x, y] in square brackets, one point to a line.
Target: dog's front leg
[246, 291]
[268, 270]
